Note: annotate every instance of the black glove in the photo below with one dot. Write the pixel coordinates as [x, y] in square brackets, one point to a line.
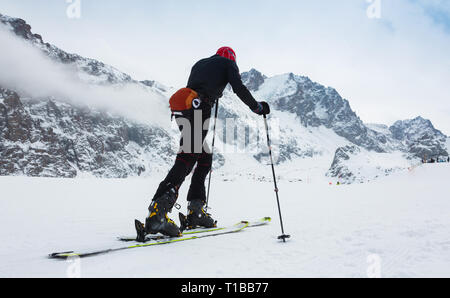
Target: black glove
[262, 109]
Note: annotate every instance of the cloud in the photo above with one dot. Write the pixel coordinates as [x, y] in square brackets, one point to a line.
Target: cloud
[396, 67]
[25, 69]
[437, 10]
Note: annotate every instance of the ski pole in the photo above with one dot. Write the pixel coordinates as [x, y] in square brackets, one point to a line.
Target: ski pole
[212, 152]
[283, 236]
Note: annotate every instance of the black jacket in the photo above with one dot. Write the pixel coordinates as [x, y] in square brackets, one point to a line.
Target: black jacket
[210, 76]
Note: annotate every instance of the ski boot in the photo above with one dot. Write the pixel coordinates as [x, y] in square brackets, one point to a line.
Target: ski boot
[197, 217]
[157, 220]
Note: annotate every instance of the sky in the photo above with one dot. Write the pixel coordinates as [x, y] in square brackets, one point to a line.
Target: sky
[389, 58]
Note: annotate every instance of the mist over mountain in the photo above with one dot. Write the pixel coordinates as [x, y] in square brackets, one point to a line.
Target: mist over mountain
[63, 115]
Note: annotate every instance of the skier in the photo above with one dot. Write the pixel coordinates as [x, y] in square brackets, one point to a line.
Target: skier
[190, 105]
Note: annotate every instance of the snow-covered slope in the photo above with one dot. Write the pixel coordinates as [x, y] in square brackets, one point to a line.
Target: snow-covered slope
[337, 231]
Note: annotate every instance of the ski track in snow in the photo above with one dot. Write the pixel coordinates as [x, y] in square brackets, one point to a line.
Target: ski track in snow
[404, 219]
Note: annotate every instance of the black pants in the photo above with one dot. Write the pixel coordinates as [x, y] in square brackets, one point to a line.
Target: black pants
[190, 155]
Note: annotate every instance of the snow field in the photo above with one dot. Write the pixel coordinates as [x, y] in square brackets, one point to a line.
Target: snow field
[403, 220]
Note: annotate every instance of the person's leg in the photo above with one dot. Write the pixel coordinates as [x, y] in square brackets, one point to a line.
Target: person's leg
[197, 193]
[167, 192]
[192, 138]
[197, 189]
[204, 160]
[183, 166]
[197, 216]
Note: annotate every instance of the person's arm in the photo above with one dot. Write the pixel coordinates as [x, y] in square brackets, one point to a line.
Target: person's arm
[234, 78]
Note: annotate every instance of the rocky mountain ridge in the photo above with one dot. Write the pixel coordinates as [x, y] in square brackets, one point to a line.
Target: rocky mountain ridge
[54, 138]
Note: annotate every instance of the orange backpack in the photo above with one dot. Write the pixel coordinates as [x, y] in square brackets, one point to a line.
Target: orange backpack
[182, 100]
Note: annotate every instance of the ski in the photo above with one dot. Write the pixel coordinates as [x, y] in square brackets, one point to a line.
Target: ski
[161, 237]
[221, 231]
[64, 255]
[149, 238]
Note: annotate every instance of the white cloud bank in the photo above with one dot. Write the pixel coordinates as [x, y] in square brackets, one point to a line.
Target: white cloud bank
[25, 69]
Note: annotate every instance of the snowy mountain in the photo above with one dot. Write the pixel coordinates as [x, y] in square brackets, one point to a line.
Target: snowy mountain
[315, 105]
[110, 125]
[420, 137]
[318, 128]
[54, 137]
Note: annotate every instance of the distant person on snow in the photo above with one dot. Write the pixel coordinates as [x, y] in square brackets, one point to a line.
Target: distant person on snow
[206, 83]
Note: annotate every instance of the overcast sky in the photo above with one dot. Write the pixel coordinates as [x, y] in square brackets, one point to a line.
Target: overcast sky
[389, 58]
